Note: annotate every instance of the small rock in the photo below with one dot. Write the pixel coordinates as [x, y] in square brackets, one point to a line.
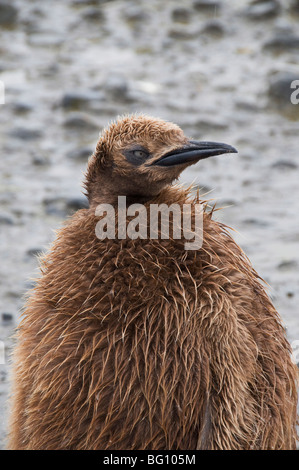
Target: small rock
[79, 121]
[84, 2]
[82, 153]
[40, 160]
[205, 125]
[248, 104]
[62, 207]
[90, 2]
[295, 6]
[3, 375]
[94, 14]
[283, 27]
[181, 15]
[214, 28]
[55, 207]
[183, 34]
[8, 14]
[225, 202]
[280, 93]
[6, 220]
[285, 165]
[260, 10]
[288, 265]
[45, 40]
[33, 252]
[116, 86]
[256, 222]
[25, 134]
[206, 5]
[77, 203]
[6, 318]
[280, 86]
[282, 42]
[50, 70]
[77, 101]
[135, 14]
[22, 108]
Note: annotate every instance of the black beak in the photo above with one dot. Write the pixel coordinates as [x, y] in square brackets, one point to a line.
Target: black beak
[193, 152]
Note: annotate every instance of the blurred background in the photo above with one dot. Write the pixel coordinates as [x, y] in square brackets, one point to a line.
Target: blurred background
[222, 70]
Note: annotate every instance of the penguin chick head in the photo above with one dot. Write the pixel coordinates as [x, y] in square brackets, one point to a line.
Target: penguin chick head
[137, 156]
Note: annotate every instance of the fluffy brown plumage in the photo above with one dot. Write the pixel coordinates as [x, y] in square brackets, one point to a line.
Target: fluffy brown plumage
[141, 344]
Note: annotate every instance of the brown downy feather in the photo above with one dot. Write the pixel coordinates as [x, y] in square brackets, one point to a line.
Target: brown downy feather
[140, 344]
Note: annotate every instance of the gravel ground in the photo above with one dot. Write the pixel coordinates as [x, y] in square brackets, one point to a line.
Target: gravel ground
[221, 70]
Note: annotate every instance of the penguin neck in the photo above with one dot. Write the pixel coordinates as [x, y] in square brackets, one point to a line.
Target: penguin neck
[167, 195]
[106, 197]
[134, 194]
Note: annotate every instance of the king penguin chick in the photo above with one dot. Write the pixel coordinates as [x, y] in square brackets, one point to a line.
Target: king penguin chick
[138, 343]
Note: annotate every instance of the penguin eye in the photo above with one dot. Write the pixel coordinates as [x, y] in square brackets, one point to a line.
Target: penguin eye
[140, 153]
[136, 156]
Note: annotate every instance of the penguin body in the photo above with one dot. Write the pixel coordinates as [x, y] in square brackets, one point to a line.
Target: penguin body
[139, 343]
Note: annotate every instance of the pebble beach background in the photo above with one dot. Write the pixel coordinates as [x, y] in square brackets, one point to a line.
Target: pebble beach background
[221, 70]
